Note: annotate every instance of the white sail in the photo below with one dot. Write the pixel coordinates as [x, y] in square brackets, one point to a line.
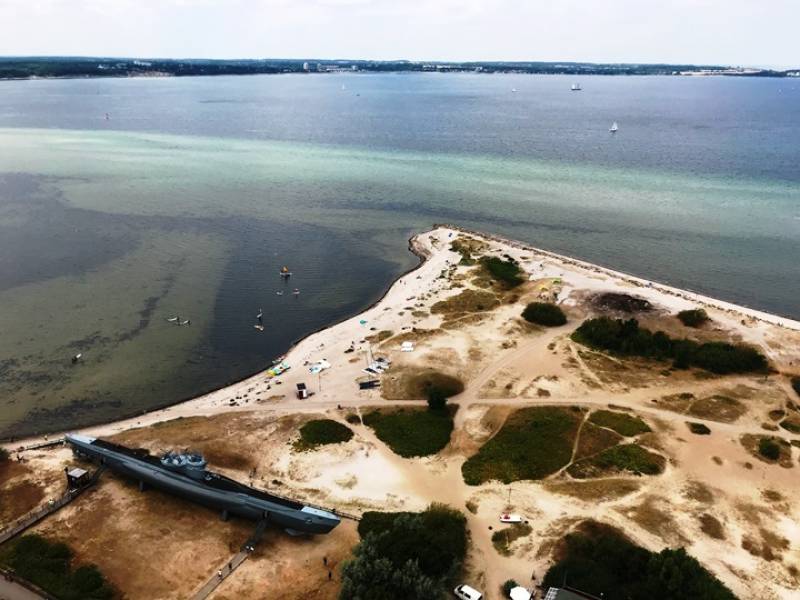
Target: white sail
[614, 127]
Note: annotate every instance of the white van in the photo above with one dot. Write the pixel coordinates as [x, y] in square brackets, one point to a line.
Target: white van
[467, 593]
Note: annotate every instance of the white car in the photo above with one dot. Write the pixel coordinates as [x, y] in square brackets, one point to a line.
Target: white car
[465, 592]
[510, 518]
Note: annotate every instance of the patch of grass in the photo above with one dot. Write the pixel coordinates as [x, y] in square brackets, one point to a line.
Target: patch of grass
[626, 338]
[628, 457]
[598, 559]
[711, 527]
[506, 272]
[380, 336]
[321, 432]
[503, 538]
[544, 313]
[693, 318]
[472, 506]
[594, 439]
[465, 302]
[507, 586]
[532, 444]
[416, 384]
[791, 424]
[698, 428]
[623, 423]
[718, 408]
[594, 490]
[49, 565]
[768, 449]
[411, 432]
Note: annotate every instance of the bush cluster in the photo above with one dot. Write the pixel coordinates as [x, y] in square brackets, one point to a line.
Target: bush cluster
[600, 560]
[506, 272]
[625, 337]
[699, 428]
[48, 565]
[406, 555]
[544, 313]
[411, 432]
[769, 449]
[321, 432]
[694, 317]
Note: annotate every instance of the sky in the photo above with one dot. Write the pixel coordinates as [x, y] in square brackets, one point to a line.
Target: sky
[731, 32]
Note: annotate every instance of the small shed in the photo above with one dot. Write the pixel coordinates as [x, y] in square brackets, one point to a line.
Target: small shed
[302, 391]
[76, 477]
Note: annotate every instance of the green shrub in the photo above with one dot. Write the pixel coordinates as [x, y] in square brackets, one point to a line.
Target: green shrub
[48, 565]
[693, 318]
[699, 428]
[412, 432]
[769, 449]
[599, 560]
[544, 313]
[796, 385]
[506, 588]
[321, 432]
[626, 338]
[406, 555]
[353, 419]
[622, 423]
[506, 272]
[532, 444]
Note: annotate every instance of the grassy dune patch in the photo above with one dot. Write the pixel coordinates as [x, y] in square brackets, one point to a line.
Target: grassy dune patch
[544, 313]
[411, 432]
[623, 423]
[505, 272]
[594, 439]
[503, 538]
[631, 458]
[321, 432]
[412, 383]
[532, 444]
[768, 449]
[594, 490]
[465, 302]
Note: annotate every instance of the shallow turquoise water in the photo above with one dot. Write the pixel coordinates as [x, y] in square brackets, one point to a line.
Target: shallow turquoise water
[196, 191]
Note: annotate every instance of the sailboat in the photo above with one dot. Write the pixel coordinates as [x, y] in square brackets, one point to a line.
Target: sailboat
[514, 90]
[576, 87]
[614, 127]
[285, 272]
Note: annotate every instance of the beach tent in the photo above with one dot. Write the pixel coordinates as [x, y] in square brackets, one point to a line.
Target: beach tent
[520, 593]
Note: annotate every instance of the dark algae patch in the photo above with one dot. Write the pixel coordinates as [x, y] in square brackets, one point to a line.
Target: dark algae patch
[49, 565]
[406, 555]
[321, 432]
[600, 560]
[532, 444]
[412, 432]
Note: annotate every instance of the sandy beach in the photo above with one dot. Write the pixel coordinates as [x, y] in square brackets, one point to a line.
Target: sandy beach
[505, 365]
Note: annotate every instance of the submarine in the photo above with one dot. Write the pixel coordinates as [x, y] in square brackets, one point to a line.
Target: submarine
[185, 475]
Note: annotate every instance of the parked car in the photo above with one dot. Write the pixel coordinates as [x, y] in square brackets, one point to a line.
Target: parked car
[465, 592]
[510, 518]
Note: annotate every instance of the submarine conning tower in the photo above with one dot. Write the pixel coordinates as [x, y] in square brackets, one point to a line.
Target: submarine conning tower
[190, 464]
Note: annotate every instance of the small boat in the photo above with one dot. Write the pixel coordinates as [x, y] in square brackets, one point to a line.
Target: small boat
[576, 87]
[259, 327]
[513, 90]
[285, 272]
[174, 319]
[614, 127]
[510, 518]
[296, 292]
[107, 117]
[279, 293]
[77, 357]
[260, 318]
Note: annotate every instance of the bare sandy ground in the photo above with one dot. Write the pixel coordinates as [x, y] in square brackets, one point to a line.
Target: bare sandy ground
[735, 513]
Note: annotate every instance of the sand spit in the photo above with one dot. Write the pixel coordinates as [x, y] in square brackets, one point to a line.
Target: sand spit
[735, 513]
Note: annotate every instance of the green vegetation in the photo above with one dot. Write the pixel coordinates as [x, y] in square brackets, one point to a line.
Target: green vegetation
[600, 560]
[420, 386]
[699, 428]
[544, 313]
[769, 449]
[628, 457]
[507, 272]
[693, 318]
[321, 432]
[353, 419]
[796, 385]
[406, 555]
[503, 538]
[532, 444]
[622, 423]
[791, 424]
[506, 588]
[437, 400]
[468, 301]
[412, 432]
[626, 338]
[48, 565]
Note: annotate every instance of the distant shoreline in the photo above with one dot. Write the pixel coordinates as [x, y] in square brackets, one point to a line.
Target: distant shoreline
[45, 67]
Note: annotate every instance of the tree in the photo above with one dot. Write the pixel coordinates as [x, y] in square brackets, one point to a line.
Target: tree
[437, 399]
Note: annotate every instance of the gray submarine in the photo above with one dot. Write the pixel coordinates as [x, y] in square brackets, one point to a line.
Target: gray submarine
[185, 476]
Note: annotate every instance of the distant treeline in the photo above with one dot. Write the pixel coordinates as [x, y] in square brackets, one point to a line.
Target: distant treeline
[22, 67]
